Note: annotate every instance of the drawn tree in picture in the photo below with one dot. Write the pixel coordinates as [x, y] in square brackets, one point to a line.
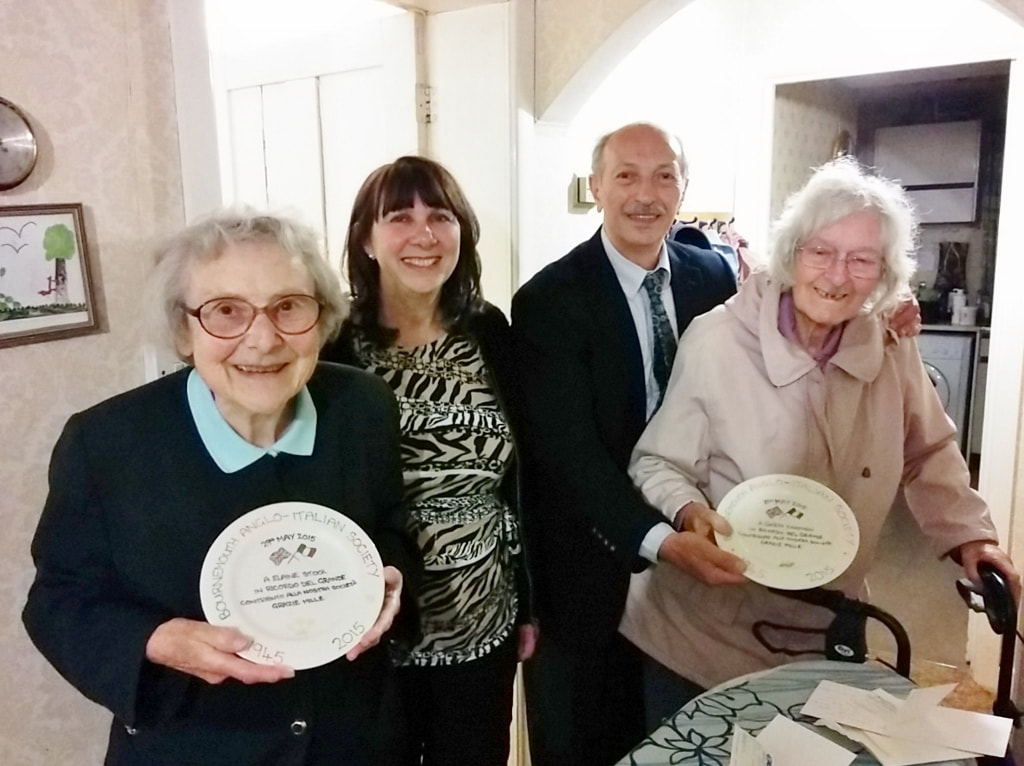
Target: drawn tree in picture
[59, 244]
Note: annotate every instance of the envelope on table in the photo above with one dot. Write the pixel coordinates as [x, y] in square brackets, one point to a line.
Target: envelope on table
[890, 751]
[791, 744]
[919, 719]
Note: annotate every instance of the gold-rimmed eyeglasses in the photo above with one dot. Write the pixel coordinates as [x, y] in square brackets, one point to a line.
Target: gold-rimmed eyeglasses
[229, 318]
[863, 264]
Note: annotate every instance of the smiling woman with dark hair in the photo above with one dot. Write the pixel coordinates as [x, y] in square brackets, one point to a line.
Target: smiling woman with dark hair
[387, 196]
[419, 322]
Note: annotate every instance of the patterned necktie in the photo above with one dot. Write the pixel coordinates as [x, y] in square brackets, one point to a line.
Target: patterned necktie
[664, 337]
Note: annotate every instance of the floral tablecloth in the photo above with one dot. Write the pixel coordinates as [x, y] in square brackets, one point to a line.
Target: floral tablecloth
[700, 734]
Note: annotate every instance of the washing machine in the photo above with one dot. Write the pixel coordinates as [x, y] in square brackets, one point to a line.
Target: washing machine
[948, 357]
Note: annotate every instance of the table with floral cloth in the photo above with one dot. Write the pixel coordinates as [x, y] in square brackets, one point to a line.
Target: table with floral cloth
[700, 734]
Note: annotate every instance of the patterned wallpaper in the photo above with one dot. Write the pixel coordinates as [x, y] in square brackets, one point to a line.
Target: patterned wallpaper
[567, 32]
[808, 117]
[96, 81]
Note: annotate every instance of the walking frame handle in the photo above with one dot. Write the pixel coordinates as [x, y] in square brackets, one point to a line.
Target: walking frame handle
[995, 600]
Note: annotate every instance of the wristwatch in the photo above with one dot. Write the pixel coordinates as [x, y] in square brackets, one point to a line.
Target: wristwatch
[18, 149]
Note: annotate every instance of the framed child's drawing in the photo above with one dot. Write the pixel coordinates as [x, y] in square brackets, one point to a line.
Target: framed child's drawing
[45, 289]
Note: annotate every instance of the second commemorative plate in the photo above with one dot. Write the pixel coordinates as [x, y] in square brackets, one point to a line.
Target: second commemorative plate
[794, 533]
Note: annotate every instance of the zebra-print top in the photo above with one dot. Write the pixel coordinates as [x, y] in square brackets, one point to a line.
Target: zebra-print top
[456, 447]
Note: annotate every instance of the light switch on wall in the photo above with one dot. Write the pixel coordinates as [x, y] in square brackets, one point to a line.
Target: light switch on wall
[580, 198]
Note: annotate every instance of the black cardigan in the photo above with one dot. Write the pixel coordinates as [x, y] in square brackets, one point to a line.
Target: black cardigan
[490, 330]
[135, 502]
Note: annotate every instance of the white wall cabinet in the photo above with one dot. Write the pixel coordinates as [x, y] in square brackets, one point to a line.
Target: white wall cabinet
[937, 164]
[302, 124]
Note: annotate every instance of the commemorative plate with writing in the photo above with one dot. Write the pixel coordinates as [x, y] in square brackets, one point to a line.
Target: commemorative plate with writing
[304, 581]
[794, 533]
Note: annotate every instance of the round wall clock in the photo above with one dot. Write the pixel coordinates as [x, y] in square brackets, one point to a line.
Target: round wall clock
[17, 146]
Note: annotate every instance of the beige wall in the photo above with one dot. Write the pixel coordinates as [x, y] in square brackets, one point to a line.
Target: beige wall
[1014, 8]
[95, 78]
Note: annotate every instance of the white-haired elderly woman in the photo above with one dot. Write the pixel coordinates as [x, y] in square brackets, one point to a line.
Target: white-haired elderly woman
[798, 374]
[142, 484]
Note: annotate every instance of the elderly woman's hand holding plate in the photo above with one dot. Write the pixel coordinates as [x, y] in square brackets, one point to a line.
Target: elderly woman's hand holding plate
[209, 652]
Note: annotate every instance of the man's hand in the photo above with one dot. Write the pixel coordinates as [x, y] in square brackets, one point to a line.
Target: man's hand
[208, 652]
[978, 551]
[905, 319]
[693, 550]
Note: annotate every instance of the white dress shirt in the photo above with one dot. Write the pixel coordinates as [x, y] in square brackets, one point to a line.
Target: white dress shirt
[631, 280]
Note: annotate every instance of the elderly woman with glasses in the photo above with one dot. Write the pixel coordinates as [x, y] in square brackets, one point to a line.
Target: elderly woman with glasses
[797, 374]
[142, 484]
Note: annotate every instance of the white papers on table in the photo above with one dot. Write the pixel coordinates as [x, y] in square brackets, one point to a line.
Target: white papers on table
[747, 751]
[977, 732]
[785, 743]
[915, 730]
[890, 751]
[791, 744]
[850, 706]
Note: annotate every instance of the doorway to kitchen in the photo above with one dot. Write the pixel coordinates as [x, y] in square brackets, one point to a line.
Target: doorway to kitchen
[941, 132]
[726, 118]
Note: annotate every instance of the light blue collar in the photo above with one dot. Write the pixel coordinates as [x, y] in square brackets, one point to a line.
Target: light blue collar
[630, 275]
[230, 451]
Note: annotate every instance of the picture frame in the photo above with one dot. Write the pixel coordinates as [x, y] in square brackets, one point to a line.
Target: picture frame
[45, 284]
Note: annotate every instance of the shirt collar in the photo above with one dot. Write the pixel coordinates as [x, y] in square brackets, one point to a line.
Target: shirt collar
[631, 276]
[230, 451]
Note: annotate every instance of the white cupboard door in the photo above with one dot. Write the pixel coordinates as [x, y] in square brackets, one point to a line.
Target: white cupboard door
[358, 138]
[309, 118]
[472, 127]
[245, 126]
[294, 168]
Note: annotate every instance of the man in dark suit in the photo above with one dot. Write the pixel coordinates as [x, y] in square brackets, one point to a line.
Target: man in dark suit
[595, 336]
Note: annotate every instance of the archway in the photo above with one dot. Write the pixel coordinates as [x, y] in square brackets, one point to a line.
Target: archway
[794, 41]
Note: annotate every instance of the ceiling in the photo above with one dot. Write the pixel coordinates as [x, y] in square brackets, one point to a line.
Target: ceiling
[956, 72]
[440, 6]
[1013, 7]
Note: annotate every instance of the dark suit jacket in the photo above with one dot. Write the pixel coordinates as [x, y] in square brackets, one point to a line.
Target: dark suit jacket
[135, 502]
[584, 405]
[489, 328]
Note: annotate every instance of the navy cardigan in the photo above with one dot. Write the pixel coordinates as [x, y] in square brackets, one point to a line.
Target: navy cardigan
[135, 502]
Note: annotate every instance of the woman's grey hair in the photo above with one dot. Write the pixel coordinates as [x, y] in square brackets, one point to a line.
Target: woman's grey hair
[838, 189]
[206, 240]
[597, 156]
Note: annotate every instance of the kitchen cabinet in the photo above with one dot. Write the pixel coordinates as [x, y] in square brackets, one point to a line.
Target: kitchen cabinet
[937, 163]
